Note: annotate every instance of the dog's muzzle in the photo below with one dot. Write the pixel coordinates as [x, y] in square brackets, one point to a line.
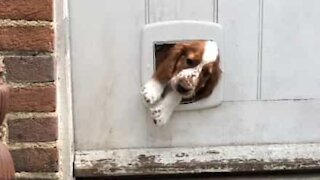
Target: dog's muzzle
[185, 82]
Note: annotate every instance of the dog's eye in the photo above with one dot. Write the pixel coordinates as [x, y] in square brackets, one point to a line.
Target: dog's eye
[190, 62]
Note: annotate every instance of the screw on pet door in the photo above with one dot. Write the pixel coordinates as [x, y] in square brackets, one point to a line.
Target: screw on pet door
[161, 37]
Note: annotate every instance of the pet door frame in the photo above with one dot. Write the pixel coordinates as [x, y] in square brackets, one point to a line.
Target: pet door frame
[179, 31]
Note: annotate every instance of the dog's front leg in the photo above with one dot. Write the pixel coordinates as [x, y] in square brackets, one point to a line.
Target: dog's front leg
[162, 111]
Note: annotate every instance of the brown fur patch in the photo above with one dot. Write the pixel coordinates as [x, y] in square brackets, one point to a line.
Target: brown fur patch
[171, 59]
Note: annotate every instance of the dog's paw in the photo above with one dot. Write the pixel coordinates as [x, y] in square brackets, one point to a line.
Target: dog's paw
[150, 96]
[160, 115]
[151, 92]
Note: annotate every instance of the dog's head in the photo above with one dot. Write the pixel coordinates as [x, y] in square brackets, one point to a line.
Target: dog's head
[190, 68]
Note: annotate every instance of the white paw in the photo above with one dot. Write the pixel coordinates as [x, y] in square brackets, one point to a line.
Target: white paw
[160, 115]
[151, 92]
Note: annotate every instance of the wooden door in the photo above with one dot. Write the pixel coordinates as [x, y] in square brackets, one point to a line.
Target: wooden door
[272, 77]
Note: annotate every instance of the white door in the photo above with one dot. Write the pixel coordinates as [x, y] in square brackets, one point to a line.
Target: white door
[271, 64]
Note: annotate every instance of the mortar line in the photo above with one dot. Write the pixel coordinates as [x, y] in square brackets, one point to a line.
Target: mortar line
[37, 175]
[27, 145]
[27, 115]
[30, 84]
[25, 53]
[24, 23]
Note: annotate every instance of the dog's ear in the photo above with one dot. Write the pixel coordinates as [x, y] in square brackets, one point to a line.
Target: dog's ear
[166, 62]
[208, 79]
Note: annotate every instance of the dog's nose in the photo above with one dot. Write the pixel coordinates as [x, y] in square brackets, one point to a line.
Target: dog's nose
[183, 89]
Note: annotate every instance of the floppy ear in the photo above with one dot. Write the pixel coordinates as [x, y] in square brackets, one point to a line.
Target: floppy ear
[208, 79]
[166, 63]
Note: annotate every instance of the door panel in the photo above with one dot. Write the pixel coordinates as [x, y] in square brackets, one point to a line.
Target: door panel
[290, 55]
[251, 122]
[240, 20]
[106, 75]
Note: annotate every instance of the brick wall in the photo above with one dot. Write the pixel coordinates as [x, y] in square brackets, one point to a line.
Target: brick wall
[26, 51]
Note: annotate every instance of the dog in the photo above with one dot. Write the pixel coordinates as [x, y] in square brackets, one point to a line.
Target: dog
[185, 72]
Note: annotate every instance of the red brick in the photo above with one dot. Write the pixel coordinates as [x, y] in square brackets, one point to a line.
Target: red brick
[33, 129]
[35, 159]
[29, 69]
[33, 99]
[26, 38]
[26, 9]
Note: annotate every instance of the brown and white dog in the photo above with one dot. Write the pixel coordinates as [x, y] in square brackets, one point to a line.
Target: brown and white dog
[187, 71]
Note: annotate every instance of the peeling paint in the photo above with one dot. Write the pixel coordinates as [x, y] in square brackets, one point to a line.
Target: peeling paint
[197, 160]
[212, 152]
[182, 154]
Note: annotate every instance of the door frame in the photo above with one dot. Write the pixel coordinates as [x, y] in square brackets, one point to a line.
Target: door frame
[64, 89]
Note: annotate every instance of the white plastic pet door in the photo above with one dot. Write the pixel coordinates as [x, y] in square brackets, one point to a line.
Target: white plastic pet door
[175, 31]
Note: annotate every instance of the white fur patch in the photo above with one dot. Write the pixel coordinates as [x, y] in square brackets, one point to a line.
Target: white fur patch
[190, 72]
[152, 92]
[210, 52]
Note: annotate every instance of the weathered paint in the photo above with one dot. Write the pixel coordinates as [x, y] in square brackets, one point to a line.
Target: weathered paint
[196, 160]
